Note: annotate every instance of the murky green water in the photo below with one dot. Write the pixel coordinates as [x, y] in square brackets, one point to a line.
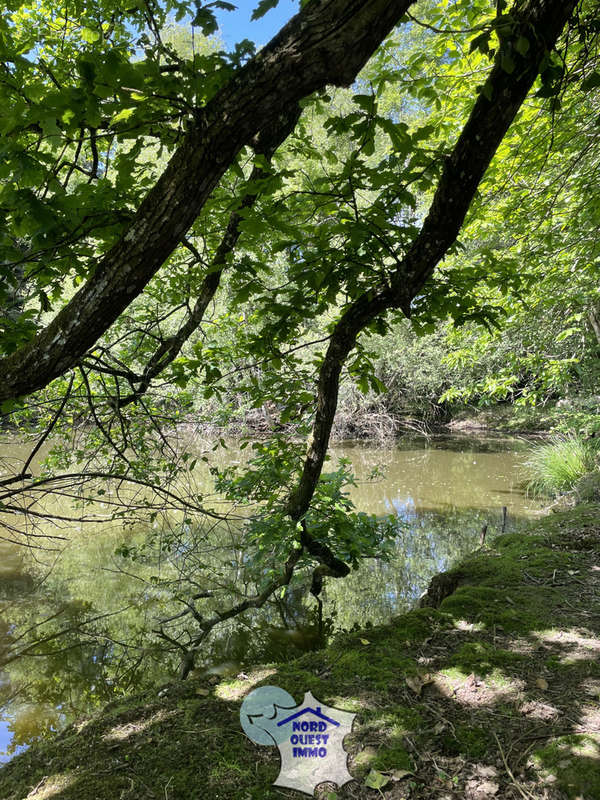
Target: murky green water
[441, 492]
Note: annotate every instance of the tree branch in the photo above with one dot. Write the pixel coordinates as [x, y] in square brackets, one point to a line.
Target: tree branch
[488, 122]
[266, 143]
[326, 43]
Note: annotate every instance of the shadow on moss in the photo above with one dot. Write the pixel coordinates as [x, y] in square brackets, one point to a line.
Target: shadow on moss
[497, 687]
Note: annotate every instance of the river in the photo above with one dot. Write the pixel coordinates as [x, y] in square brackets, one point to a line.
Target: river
[104, 601]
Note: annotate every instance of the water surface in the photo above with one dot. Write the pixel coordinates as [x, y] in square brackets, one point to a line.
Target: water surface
[441, 492]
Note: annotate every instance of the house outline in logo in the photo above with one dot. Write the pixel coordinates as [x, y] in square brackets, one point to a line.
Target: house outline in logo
[316, 711]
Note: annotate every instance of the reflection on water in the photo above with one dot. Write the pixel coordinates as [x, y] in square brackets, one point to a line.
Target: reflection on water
[441, 491]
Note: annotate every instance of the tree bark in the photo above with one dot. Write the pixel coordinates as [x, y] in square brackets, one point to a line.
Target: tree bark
[326, 43]
[594, 318]
[265, 144]
[541, 22]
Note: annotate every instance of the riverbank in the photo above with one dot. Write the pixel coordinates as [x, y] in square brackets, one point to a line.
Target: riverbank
[505, 418]
[365, 421]
[491, 694]
[376, 422]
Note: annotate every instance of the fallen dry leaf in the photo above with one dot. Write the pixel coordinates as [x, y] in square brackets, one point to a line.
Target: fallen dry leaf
[486, 771]
[417, 682]
[398, 774]
[476, 789]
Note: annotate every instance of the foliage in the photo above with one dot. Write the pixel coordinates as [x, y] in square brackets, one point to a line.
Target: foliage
[339, 216]
[558, 466]
[332, 517]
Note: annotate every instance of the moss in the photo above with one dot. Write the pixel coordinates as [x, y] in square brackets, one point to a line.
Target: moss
[364, 761]
[518, 554]
[417, 625]
[468, 740]
[483, 658]
[390, 724]
[394, 757]
[453, 674]
[496, 607]
[573, 762]
[521, 625]
[370, 666]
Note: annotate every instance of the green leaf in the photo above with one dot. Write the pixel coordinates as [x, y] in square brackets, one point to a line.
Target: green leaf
[237, 170]
[567, 333]
[481, 42]
[206, 21]
[262, 8]
[363, 384]
[376, 780]
[89, 35]
[67, 116]
[122, 116]
[522, 45]
[507, 63]
[364, 101]
[591, 82]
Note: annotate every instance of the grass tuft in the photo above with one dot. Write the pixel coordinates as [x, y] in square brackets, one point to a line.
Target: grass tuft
[557, 467]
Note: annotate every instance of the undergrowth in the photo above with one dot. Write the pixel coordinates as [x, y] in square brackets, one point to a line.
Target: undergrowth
[557, 466]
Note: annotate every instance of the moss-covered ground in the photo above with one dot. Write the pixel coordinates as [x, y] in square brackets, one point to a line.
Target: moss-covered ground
[494, 694]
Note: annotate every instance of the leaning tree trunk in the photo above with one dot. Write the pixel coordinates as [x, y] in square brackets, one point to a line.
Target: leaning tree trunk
[326, 43]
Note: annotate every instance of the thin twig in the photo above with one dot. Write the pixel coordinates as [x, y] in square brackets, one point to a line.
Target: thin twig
[515, 783]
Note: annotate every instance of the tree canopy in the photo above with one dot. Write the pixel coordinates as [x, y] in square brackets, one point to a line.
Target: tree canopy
[179, 220]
